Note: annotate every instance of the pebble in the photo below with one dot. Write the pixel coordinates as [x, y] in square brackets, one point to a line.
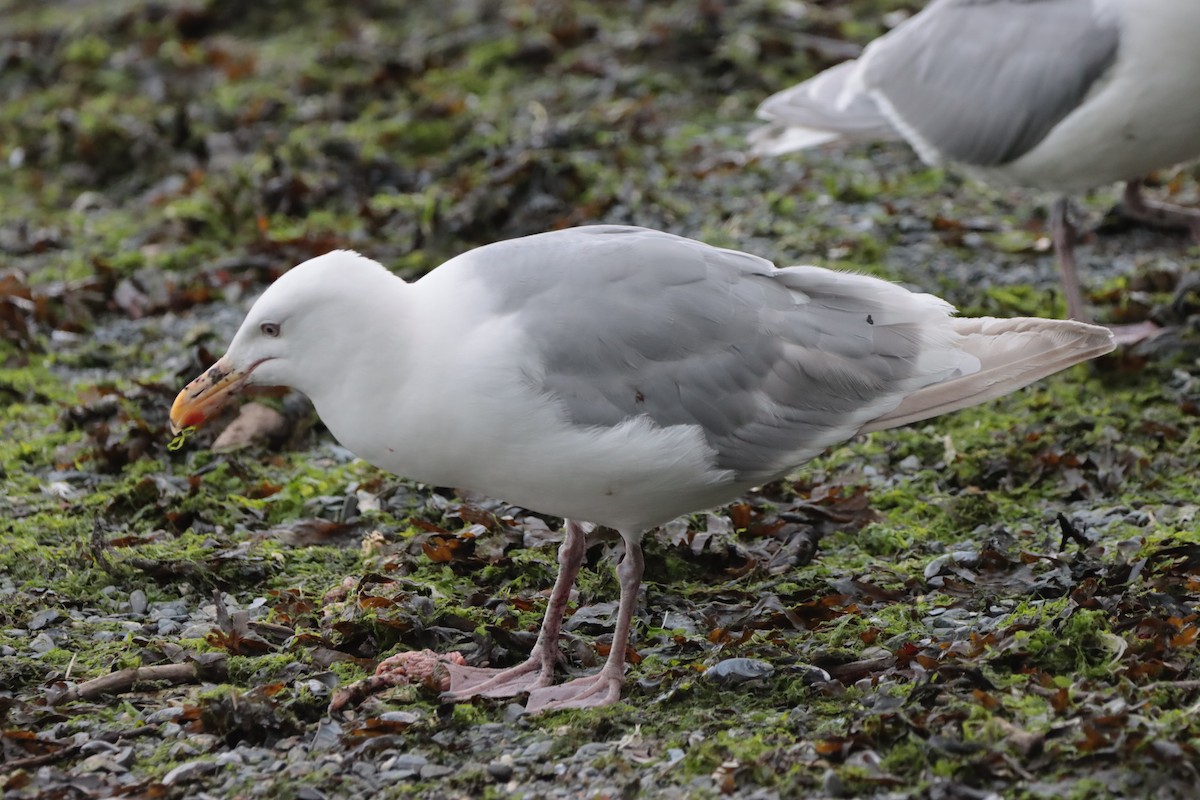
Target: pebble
[42, 643]
[500, 771]
[327, 737]
[137, 601]
[97, 746]
[168, 714]
[188, 771]
[43, 618]
[97, 763]
[512, 712]
[735, 671]
[196, 630]
[591, 750]
[409, 763]
[537, 750]
[392, 776]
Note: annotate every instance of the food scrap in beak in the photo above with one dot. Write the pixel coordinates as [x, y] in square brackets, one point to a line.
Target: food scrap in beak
[206, 395]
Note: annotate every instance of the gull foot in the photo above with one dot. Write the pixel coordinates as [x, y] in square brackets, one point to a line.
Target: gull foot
[1158, 213]
[1125, 335]
[591, 691]
[467, 682]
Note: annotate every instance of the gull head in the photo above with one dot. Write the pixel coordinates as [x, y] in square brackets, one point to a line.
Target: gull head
[299, 333]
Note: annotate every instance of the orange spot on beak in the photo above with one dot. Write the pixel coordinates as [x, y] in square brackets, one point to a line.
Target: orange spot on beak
[204, 397]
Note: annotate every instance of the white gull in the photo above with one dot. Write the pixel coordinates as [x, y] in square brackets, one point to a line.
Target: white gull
[615, 375]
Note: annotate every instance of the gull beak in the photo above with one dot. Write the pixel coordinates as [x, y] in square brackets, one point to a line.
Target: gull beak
[206, 395]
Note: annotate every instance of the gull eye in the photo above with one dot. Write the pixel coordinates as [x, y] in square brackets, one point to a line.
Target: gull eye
[270, 329]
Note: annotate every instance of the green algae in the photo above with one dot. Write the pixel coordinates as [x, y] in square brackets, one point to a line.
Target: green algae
[1073, 443]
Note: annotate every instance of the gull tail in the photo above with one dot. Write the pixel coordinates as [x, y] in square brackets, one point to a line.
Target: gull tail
[825, 108]
[1012, 353]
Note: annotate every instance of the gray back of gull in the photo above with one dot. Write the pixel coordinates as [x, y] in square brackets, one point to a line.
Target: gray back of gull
[983, 81]
[628, 321]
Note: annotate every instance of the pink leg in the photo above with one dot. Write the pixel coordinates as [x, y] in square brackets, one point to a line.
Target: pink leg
[603, 688]
[538, 670]
[1062, 233]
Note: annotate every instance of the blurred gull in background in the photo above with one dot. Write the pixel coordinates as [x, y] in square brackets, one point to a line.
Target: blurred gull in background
[1059, 95]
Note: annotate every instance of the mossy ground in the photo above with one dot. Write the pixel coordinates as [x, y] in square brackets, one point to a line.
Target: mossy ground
[163, 162]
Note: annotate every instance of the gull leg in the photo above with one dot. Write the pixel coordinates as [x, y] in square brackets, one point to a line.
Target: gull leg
[1062, 233]
[603, 688]
[538, 670]
[1159, 215]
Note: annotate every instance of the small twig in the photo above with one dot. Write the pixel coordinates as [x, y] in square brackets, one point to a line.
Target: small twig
[98, 545]
[44, 758]
[223, 621]
[113, 737]
[125, 680]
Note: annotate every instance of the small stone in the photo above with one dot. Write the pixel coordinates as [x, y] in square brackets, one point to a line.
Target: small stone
[500, 771]
[328, 736]
[42, 643]
[189, 771]
[591, 750]
[390, 776]
[168, 714]
[410, 761]
[196, 630]
[831, 782]
[432, 771]
[97, 763]
[537, 750]
[512, 712]
[734, 671]
[137, 601]
[43, 618]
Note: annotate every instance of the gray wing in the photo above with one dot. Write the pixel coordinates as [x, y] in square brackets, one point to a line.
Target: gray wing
[824, 103]
[983, 81]
[773, 365]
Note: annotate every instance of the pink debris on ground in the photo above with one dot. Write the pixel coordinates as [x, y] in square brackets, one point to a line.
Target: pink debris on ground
[417, 666]
[402, 669]
[339, 593]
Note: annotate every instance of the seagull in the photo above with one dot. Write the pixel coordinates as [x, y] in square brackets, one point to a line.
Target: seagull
[614, 375]
[1057, 95]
